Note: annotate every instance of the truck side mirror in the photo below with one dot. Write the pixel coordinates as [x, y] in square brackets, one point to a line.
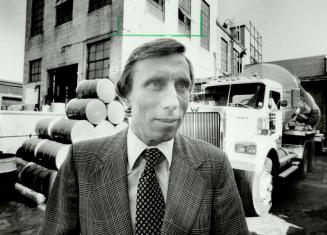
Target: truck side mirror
[283, 103]
[295, 96]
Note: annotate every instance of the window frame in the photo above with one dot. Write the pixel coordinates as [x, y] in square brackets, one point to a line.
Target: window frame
[159, 4]
[37, 17]
[222, 61]
[237, 62]
[64, 12]
[94, 62]
[35, 70]
[184, 16]
[157, 8]
[96, 4]
[205, 40]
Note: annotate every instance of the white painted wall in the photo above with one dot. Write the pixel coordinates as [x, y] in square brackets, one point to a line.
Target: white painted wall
[138, 19]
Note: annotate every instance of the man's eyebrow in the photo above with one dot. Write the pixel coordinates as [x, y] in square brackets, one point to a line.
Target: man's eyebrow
[182, 76]
[163, 75]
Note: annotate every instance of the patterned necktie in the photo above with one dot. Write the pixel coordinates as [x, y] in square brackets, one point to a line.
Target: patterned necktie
[150, 204]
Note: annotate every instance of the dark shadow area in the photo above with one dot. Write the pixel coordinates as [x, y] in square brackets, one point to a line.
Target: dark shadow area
[303, 202]
[18, 214]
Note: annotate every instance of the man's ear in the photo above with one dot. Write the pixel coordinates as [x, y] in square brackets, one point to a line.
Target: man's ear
[127, 102]
[128, 106]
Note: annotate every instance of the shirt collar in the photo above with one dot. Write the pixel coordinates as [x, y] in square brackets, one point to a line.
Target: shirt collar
[135, 147]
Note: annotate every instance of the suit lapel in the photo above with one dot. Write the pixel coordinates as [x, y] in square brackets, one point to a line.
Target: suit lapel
[185, 191]
[112, 174]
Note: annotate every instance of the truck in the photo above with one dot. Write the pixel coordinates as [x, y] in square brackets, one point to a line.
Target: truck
[255, 118]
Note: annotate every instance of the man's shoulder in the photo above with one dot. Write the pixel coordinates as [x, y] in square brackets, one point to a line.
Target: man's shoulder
[97, 147]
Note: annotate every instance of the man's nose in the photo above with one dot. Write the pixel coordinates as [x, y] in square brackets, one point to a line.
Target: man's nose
[170, 98]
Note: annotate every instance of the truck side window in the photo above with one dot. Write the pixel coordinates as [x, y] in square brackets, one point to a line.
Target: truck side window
[274, 98]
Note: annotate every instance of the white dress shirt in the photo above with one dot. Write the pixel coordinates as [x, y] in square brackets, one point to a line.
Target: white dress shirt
[136, 165]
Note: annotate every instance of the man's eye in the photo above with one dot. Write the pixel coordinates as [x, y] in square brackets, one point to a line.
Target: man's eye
[155, 84]
[182, 85]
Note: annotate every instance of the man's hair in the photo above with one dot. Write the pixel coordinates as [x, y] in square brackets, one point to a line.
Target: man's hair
[156, 48]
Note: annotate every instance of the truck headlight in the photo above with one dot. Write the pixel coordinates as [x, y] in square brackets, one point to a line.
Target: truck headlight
[246, 147]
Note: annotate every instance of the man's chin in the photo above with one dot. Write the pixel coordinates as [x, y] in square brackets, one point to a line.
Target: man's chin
[162, 137]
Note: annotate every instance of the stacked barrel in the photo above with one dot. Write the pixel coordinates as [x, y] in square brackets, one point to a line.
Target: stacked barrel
[96, 112]
[97, 103]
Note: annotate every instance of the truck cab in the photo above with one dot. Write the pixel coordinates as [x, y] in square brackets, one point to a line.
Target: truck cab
[246, 116]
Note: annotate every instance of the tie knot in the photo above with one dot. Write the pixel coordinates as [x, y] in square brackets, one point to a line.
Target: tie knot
[152, 156]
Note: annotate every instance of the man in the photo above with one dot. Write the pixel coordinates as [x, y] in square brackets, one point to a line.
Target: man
[102, 188]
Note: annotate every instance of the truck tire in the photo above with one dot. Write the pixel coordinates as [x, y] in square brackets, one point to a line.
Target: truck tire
[307, 157]
[312, 158]
[256, 189]
[318, 147]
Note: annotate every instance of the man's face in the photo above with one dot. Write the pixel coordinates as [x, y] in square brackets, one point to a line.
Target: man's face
[159, 97]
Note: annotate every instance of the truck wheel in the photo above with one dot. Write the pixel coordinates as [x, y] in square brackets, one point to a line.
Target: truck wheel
[256, 189]
[304, 164]
[312, 158]
[318, 147]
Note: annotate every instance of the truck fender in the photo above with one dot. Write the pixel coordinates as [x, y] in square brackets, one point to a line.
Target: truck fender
[266, 147]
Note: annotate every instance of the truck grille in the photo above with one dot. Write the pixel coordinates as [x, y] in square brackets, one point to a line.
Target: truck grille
[202, 125]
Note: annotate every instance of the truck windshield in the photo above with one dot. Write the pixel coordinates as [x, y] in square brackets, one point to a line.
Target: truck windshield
[248, 95]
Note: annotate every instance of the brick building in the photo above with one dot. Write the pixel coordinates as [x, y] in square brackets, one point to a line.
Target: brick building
[68, 40]
[312, 72]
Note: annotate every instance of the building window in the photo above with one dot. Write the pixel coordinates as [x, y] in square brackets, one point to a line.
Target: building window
[239, 65]
[184, 16]
[157, 8]
[64, 12]
[98, 60]
[35, 70]
[159, 4]
[37, 17]
[97, 4]
[205, 26]
[236, 62]
[224, 55]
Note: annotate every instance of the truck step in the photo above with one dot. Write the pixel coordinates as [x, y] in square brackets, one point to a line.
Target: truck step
[283, 161]
[288, 171]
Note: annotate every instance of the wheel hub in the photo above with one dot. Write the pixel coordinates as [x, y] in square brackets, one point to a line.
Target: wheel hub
[265, 187]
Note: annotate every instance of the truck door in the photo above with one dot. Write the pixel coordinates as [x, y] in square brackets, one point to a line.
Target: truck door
[275, 116]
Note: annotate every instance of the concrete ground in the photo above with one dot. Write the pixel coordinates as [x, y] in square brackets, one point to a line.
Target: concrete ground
[300, 207]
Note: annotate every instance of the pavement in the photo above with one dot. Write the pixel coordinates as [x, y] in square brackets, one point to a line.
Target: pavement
[299, 207]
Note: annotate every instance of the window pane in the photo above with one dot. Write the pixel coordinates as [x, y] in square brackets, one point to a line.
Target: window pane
[92, 56]
[99, 55]
[98, 60]
[106, 64]
[97, 4]
[105, 73]
[37, 17]
[106, 53]
[93, 48]
[64, 12]
[99, 65]
[106, 44]
[92, 66]
[99, 46]
[205, 14]
[91, 75]
[98, 73]
[224, 55]
[35, 70]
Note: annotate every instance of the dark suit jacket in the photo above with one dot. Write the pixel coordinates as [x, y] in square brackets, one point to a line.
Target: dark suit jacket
[90, 194]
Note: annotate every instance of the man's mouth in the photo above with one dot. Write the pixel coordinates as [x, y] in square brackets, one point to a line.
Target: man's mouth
[168, 120]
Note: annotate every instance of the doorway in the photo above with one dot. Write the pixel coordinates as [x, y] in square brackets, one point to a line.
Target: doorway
[62, 84]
